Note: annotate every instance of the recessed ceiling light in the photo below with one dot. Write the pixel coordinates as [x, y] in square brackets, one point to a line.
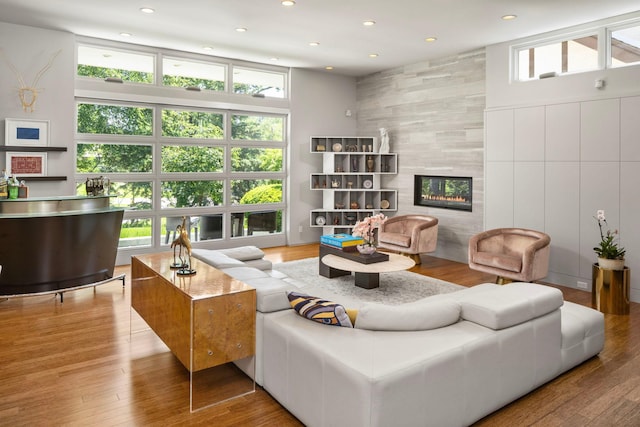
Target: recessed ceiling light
[146, 10]
[430, 39]
[241, 30]
[126, 34]
[273, 58]
[369, 23]
[314, 44]
[509, 17]
[207, 48]
[328, 67]
[373, 55]
[287, 2]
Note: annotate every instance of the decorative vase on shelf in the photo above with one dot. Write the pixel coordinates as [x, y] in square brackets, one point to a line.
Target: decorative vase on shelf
[611, 264]
[366, 249]
[370, 164]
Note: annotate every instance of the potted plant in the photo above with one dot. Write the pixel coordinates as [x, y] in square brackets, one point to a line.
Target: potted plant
[610, 255]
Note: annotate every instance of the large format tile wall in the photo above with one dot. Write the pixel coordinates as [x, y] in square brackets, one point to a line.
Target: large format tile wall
[434, 112]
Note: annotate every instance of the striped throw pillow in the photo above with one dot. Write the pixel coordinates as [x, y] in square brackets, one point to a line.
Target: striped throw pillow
[319, 310]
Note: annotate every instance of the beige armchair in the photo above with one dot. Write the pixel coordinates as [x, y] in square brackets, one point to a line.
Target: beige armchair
[512, 254]
[409, 234]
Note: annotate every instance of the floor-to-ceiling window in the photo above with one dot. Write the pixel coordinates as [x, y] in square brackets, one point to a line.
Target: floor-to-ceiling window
[183, 138]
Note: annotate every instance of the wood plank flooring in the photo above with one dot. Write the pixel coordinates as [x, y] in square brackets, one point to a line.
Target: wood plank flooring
[76, 364]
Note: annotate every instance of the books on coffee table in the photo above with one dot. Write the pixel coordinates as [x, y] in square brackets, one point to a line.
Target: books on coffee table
[341, 240]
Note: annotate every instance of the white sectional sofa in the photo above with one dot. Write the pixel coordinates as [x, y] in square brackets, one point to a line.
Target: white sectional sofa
[446, 360]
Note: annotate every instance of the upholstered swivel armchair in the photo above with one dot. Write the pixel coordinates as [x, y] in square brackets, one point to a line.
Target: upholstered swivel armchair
[409, 234]
[512, 254]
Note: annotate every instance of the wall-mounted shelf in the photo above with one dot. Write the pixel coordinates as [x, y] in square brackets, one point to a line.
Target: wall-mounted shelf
[28, 148]
[34, 149]
[41, 178]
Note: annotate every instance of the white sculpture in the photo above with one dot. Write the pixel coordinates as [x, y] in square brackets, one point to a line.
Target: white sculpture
[29, 94]
[384, 141]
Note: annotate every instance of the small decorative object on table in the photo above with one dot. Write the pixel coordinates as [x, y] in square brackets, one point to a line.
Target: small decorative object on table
[13, 186]
[366, 250]
[610, 255]
[367, 230]
[183, 243]
[97, 186]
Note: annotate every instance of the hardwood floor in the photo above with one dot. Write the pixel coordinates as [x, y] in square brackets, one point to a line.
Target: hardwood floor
[76, 364]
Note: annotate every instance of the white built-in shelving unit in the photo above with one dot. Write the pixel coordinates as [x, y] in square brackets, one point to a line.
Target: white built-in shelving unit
[351, 182]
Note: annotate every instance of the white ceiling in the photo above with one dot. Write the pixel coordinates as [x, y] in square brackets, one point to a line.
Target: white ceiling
[275, 31]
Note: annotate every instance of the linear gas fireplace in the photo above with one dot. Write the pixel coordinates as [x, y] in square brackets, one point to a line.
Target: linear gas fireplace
[448, 192]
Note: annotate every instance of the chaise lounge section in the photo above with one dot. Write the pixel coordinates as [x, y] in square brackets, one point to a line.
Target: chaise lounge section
[446, 360]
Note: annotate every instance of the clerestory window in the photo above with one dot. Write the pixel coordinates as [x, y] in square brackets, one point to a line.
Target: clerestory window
[610, 46]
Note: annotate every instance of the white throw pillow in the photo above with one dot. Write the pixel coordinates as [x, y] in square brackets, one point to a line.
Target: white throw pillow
[416, 316]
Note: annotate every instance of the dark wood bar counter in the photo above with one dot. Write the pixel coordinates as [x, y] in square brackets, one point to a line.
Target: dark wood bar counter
[56, 243]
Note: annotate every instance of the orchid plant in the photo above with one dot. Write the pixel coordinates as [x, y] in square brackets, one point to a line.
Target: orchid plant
[608, 247]
[366, 228]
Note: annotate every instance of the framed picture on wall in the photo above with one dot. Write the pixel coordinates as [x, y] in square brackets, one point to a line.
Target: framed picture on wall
[24, 132]
[26, 164]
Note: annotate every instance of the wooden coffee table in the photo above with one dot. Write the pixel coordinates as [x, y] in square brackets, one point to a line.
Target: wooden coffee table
[367, 276]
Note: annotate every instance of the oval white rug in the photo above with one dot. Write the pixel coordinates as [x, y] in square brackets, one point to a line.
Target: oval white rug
[395, 288]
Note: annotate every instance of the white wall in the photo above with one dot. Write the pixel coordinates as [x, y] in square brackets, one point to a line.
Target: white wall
[556, 151]
[29, 49]
[318, 105]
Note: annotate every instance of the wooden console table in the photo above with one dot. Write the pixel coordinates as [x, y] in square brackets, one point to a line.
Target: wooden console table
[206, 319]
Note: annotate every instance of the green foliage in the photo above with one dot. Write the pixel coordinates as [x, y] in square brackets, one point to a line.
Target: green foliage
[183, 194]
[608, 247]
[179, 81]
[270, 193]
[127, 157]
[105, 158]
[256, 159]
[125, 75]
[192, 158]
[257, 128]
[103, 119]
[192, 124]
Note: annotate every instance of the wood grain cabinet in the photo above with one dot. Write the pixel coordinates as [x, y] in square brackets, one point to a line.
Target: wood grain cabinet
[206, 319]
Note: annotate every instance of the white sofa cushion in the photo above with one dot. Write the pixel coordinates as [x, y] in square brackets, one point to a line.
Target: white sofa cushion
[243, 253]
[417, 316]
[271, 293]
[261, 264]
[505, 306]
[216, 259]
[245, 273]
[582, 333]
